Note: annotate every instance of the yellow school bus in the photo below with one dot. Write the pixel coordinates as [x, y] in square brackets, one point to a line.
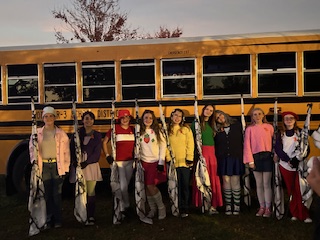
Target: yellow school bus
[215, 69]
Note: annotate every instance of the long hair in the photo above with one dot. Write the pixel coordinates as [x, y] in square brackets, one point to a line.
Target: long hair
[154, 126]
[229, 120]
[264, 119]
[181, 124]
[211, 120]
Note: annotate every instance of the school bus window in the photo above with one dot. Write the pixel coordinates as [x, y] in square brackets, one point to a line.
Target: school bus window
[178, 67]
[60, 82]
[178, 77]
[22, 83]
[277, 73]
[277, 61]
[311, 71]
[138, 76]
[98, 81]
[226, 75]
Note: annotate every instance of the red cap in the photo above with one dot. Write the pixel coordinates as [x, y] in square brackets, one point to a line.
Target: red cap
[290, 113]
[123, 113]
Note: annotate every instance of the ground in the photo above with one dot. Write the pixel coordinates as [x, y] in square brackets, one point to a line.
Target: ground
[14, 223]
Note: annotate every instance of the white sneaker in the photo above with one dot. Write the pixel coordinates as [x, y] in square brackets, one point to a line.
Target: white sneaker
[184, 215]
[228, 210]
[213, 211]
[308, 220]
[294, 219]
[236, 210]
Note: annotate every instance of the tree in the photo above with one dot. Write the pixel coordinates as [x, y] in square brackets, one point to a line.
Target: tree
[99, 21]
[166, 33]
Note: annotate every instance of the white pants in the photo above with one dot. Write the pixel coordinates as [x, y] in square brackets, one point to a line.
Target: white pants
[125, 173]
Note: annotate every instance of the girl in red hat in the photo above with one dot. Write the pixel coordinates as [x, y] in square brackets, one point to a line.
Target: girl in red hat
[124, 154]
[285, 146]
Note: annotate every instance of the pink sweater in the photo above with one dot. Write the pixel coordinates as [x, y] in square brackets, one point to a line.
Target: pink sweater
[257, 138]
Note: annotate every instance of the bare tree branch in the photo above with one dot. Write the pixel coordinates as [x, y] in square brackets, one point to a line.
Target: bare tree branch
[100, 20]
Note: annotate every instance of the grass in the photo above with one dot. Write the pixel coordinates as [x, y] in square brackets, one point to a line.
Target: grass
[14, 224]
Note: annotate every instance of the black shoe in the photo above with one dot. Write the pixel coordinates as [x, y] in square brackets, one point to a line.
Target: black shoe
[46, 226]
[90, 221]
[57, 225]
[129, 212]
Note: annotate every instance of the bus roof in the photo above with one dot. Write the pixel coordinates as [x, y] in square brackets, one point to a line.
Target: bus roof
[266, 35]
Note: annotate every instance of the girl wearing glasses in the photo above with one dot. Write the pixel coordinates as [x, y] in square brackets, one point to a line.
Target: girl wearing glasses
[286, 143]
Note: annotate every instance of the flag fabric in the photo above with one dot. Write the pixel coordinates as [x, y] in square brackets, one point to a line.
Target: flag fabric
[201, 172]
[36, 203]
[114, 178]
[302, 151]
[172, 173]
[278, 201]
[246, 175]
[140, 193]
[80, 207]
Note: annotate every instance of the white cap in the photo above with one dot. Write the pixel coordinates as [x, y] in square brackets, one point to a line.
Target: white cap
[48, 110]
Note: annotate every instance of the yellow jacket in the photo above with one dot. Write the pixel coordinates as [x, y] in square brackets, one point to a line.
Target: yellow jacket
[182, 144]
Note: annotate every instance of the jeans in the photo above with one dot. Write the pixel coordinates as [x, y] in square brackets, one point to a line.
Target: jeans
[183, 175]
[53, 188]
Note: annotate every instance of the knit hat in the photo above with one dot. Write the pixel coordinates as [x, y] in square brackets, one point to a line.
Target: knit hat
[48, 110]
[290, 113]
[123, 113]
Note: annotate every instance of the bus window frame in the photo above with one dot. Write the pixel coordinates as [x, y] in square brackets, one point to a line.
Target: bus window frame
[96, 65]
[138, 63]
[245, 72]
[277, 71]
[307, 70]
[188, 77]
[15, 73]
[55, 85]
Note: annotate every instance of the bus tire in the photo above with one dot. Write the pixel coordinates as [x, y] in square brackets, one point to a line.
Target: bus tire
[21, 173]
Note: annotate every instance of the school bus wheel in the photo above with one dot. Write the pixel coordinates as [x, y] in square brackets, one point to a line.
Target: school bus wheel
[21, 173]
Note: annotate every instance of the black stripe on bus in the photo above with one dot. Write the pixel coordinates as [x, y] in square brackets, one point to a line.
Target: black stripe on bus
[188, 119]
[173, 102]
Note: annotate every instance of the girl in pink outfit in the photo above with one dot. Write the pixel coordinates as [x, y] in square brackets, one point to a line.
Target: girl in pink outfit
[54, 162]
[257, 153]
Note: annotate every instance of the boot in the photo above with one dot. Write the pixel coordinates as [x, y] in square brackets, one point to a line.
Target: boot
[152, 205]
[160, 205]
[91, 206]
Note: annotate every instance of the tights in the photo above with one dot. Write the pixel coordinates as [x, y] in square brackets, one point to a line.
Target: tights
[264, 191]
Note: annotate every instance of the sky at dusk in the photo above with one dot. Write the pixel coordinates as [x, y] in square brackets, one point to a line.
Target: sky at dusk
[31, 22]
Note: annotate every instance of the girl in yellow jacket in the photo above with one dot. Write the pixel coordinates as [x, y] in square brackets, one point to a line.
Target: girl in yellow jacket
[182, 144]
